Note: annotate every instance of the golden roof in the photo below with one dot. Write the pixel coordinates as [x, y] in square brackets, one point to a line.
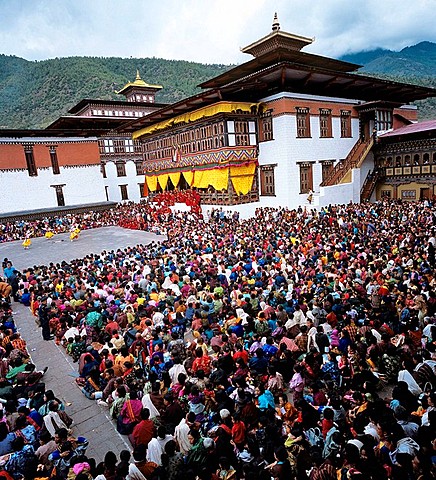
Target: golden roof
[139, 82]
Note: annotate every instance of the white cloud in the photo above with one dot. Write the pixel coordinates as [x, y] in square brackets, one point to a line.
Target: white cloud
[205, 31]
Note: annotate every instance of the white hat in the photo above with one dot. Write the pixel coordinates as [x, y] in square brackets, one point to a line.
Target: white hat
[224, 413]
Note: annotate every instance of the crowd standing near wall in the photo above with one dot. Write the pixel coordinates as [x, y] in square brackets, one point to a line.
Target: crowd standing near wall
[295, 344]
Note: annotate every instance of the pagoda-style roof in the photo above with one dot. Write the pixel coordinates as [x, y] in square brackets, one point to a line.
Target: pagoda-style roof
[98, 125]
[58, 132]
[115, 103]
[277, 39]
[139, 83]
[280, 55]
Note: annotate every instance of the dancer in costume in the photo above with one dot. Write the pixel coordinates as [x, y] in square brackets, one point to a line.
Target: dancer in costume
[74, 234]
[27, 241]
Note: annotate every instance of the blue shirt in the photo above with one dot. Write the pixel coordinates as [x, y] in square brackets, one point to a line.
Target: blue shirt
[266, 400]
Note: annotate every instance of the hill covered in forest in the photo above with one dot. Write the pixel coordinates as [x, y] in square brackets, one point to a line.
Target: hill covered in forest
[34, 93]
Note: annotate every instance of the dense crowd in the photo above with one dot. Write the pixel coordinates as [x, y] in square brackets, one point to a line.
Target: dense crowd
[295, 344]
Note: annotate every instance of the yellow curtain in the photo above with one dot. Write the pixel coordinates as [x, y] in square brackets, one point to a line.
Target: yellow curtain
[219, 178]
[242, 178]
[151, 183]
[189, 177]
[248, 169]
[163, 180]
[200, 179]
[175, 178]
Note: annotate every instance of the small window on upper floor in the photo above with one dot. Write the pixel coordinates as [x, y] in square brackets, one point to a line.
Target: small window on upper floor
[121, 169]
[303, 122]
[128, 144]
[108, 146]
[346, 124]
[325, 123]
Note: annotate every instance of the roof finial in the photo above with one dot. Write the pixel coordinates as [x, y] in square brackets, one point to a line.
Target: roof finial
[276, 24]
[138, 77]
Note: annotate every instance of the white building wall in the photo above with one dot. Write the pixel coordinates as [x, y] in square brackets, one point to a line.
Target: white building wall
[287, 151]
[131, 179]
[20, 192]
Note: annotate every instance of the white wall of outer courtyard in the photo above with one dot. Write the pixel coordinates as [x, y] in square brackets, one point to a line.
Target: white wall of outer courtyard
[286, 150]
[131, 179]
[20, 192]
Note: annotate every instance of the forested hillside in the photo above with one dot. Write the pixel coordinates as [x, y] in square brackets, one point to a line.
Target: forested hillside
[34, 93]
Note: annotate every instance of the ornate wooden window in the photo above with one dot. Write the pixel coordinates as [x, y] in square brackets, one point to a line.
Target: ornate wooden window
[267, 180]
[325, 123]
[346, 124]
[383, 120]
[108, 145]
[54, 160]
[30, 160]
[306, 177]
[326, 167]
[124, 194]
[408, 194]
[266, 122]
[59, 194]
[303, 123]
[128, 145]
[139, 168]
[121, 169]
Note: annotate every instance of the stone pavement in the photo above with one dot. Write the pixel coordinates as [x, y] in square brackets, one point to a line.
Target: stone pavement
[90, 420]
[59, 248]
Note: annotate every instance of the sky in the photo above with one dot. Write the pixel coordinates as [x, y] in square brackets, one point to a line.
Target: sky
[206, 31]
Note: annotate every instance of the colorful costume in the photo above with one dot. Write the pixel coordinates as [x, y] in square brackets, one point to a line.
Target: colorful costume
[74, 235]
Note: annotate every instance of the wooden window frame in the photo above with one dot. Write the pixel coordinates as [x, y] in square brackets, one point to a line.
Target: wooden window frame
[302, 119]
[325, 123]
[346, 131]
[266, 121]
[54, 161]
[124, 192]
[306, 184]
[267, 180]
[326, 167]
[121, 169]
[30, 161]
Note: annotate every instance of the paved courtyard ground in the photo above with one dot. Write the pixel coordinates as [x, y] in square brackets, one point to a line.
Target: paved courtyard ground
[59, 248]
[90, 420]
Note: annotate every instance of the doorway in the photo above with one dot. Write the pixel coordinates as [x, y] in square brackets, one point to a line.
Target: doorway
[425, 193]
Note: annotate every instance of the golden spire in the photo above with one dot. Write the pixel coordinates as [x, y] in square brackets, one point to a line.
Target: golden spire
[138, 77]
[276, 24]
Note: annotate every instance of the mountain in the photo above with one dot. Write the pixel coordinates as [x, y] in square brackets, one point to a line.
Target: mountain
[417, 60]
[415, 64]
[35, 93]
